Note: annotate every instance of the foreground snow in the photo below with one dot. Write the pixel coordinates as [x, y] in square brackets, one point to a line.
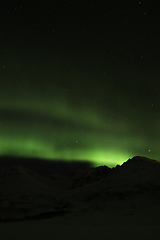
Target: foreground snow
[100, 202]
[47, 229]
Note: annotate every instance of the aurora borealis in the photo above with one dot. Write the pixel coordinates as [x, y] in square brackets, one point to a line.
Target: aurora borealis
[80, 81]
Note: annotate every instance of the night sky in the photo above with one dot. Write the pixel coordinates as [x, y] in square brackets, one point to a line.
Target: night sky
[80, 80]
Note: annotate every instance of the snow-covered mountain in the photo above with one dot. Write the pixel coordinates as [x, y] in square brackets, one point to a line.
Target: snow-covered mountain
[127, 191]
[25, 193]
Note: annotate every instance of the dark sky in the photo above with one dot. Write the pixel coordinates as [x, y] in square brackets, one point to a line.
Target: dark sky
[80, 79]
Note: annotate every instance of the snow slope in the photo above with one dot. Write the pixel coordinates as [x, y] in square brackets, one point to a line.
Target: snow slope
[128, 194]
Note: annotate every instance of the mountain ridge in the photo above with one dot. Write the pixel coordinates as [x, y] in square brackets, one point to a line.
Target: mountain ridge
[26, 194]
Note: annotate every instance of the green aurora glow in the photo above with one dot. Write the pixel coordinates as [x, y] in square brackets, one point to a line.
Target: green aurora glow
[84, 90]
[54, 128]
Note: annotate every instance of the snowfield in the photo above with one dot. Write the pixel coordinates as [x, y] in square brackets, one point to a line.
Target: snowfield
[96, 203]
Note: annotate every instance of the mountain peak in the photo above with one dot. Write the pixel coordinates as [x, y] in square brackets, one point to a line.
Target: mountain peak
[140, 160]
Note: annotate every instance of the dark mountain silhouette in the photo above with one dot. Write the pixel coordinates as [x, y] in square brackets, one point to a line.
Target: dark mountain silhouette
[129, 190]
